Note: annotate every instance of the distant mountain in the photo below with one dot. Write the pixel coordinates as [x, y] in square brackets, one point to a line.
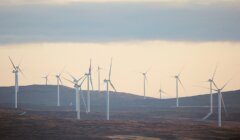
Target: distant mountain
[42, 95]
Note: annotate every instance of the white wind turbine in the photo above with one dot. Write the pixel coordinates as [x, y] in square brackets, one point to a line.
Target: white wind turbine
[107, 82]
[177, 77]
[144, 83]
[99, 78]
[58, 76]
[16, 69]
[220, 102]
[211, 95]
[89, 82]
[77, 88]
[46, 79]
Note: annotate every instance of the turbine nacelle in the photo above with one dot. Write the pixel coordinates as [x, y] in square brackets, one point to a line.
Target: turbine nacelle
[76, 86]
[210, 80]
[15, 71]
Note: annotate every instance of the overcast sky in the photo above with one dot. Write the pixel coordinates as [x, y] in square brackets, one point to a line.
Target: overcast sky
[70, 21]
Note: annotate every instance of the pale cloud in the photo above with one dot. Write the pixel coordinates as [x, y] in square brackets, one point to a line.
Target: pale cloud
[103, 22]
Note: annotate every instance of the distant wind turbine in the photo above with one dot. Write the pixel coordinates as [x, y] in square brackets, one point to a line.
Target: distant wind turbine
[211, 80]
[58, 76]
[144, 83]
[77, 88]
[177, 77]
[89, 82]
[160, 91]
[107, 82]
[16, 69]
[46, 79]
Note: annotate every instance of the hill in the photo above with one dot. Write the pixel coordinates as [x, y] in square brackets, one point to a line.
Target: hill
[47, 96]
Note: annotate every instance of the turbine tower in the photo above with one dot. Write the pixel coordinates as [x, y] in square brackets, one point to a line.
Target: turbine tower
[77, 88]
[211, 96]
[177, 77]
[220, 102]
[107, 82]
[16, 69]
[46, 79]
[89, 82]
[99, 78]
[58, 76]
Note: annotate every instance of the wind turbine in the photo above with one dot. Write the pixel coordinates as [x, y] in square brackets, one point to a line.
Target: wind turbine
[77, 88]
[211, 96]
[89, 82]
[16, 69]
[58, 76]
[46, 79]
[99, 78]
[107, 82]
[144, 83]
[161, 92]
[177, 77]
[220, 102]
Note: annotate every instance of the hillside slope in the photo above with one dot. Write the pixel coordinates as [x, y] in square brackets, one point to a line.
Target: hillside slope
[47, 96]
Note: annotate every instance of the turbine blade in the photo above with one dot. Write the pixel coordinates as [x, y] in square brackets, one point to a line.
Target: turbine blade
[180, 71]
[181, 83]
[148, 70]
[202, 87]
[81, 78]
[62, 71]
[20, 62]
[21, 71]
[72, 76]
[146, 78]
[60, 81]
[91, 82]
[226, 84]
[112, 86]
[215, 85]
[164, 92]
[110, 70]
[68, 80]
[90, 67]
[84, 101]
[82, 81]
[224, 107]
[12, 63]
[214, 73]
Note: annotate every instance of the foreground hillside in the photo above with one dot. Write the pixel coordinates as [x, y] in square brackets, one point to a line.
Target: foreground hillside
[32, 126]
